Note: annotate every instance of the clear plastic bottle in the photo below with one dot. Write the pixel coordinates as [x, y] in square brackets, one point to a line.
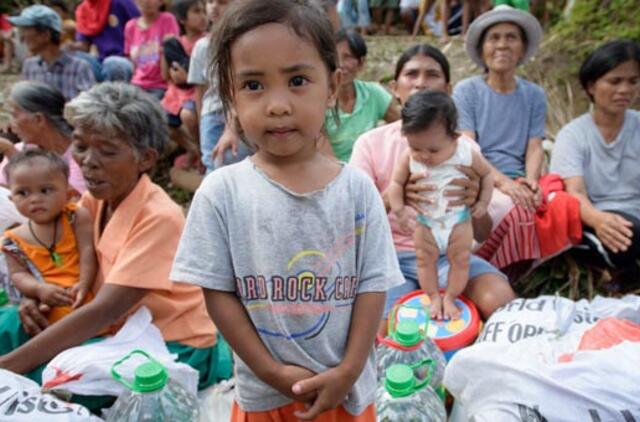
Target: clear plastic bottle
[408, 345]
[402, 398]
[152, 396]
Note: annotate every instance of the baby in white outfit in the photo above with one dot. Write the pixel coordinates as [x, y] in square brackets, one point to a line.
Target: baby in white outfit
[429, 121]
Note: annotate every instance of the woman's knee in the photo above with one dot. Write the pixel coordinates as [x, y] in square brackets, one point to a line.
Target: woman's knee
[489, 292]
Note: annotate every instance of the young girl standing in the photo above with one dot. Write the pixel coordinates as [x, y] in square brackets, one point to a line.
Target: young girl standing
[143, 39]
[179, 100]
[293, 250]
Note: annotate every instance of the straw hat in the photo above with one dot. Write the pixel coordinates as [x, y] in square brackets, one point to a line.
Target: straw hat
[503, 14]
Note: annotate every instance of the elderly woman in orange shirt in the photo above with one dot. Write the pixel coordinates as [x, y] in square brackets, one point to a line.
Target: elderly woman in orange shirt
[118, 133]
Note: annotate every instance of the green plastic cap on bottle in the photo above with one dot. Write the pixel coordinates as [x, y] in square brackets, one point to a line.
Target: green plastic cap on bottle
[408, 333]
[150, 376]
[399, 380]
[4, 297]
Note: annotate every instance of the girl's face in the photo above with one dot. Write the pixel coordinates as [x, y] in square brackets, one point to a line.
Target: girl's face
[149, 7]
[350, 66]
[431, 146]
[615, 91]
[503, 47]
[281, 90]
[417, 74]
[215, 9]
[196, 21]
[38, 191]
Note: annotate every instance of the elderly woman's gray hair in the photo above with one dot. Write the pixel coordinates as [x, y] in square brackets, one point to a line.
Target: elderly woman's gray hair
[38, 97]
[120, 110]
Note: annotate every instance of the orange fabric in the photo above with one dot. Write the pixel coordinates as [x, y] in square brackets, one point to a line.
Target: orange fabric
[285, 414]
[136, 249]
[605, 334]
[65, 276]
[558, 223]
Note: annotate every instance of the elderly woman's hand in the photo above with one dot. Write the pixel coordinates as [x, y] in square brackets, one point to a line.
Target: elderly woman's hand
[32, 316]
[520, 193]
[614, 231]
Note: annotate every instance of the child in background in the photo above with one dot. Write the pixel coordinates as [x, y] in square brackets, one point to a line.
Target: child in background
[143, 38]
[383, 10]
[51, 258]
[212, 118]
[179, 100]
[293, 249]
[429, 121]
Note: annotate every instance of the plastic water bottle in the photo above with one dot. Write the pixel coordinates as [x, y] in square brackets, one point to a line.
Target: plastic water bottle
[402, 398]
[152, 396]
[408, 345]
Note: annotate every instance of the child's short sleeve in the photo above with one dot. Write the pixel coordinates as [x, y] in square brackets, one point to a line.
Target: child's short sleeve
[379, 269]
[203, 256]
[198, 63]
[171, 26]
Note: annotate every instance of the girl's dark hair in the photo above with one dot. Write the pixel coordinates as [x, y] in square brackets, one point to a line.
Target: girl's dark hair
[28, 156]
[180, 9]
[356, 43]
[424, 50]
[304, 17]
[38, 97]
[605, 58]
[425, 108]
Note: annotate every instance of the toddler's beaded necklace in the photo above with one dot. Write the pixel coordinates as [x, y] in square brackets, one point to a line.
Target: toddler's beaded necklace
[55, 257]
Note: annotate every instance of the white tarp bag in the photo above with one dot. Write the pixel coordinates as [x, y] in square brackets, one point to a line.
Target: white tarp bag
[22, 401]
[86, 370]
[553, 316]
[495, 383]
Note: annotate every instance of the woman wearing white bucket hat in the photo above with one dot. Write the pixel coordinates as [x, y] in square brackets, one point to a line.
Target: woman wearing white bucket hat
[502, 112]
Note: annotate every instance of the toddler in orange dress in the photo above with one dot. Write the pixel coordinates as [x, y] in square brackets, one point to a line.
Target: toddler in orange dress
[51, 258]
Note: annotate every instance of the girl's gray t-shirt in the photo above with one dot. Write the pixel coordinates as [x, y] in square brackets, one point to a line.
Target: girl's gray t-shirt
[611, 171]
[296, 262]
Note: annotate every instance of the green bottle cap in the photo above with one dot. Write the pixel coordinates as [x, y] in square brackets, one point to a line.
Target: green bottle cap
[150, 376]
[407, 333]
[399, 380]
[4, 297]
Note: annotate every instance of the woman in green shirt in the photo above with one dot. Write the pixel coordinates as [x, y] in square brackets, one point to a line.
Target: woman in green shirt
[361, 104]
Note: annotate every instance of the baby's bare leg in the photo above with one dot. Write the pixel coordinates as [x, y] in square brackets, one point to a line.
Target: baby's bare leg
[427, 254]
[458, 254]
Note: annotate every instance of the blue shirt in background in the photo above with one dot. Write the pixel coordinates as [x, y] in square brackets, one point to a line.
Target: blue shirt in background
[502, 123]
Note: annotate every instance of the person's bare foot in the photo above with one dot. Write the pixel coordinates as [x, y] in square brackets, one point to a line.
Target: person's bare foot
[436, 307]
[449, 308]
